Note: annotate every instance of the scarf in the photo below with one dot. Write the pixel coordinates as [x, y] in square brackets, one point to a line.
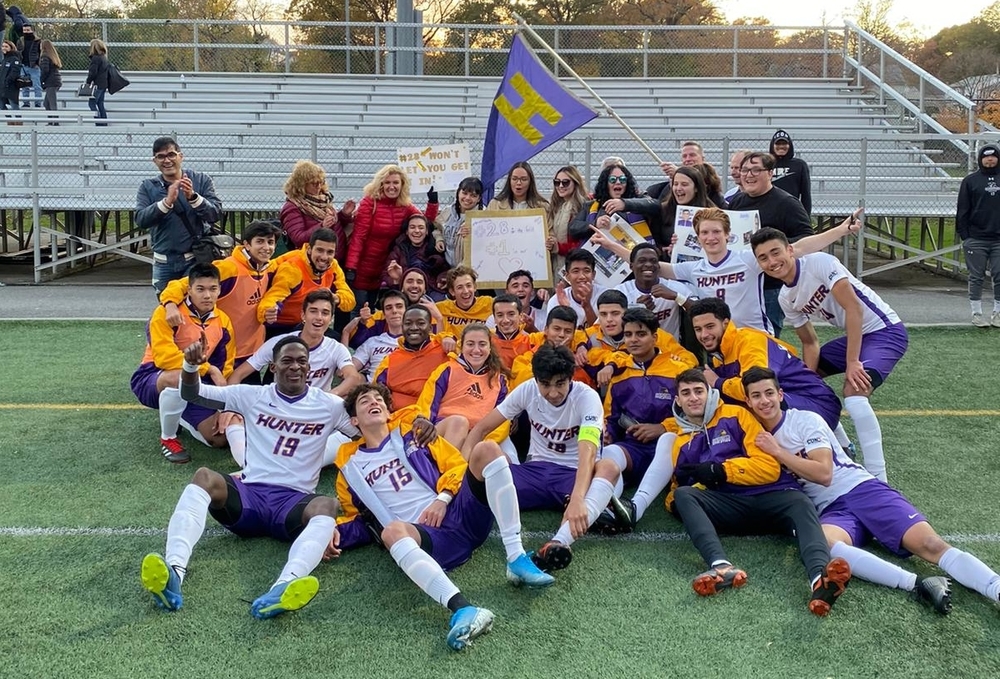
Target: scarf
[316, 207]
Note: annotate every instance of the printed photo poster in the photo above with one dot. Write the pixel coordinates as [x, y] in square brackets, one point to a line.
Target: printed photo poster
[503, 241]
[687, 248]
[442, 166]
[611, 269]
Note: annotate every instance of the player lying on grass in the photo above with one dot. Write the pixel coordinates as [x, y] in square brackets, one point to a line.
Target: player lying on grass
[724, 483]
[428, 507]
[855, 507]
[287, 425]
[565, 419]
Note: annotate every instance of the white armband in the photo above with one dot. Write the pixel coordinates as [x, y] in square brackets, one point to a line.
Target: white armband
[445, 497]
[188, 368]
[680, 299]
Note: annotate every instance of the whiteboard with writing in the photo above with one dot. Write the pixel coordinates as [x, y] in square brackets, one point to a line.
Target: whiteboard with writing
[502, 241]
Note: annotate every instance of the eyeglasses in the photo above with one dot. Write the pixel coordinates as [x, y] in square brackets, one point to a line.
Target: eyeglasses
[520, 180]
[561, 183]
[170, 155]
[751, 171]
[618, 180]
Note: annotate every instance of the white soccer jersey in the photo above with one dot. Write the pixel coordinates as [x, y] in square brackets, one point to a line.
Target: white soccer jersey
[737, 280]
[555, 429]
[811, 295]
[581, 315]
[667, 311]
[394, 485]
[372, 351]
[325, 359]
[286, 437]
[801, 431]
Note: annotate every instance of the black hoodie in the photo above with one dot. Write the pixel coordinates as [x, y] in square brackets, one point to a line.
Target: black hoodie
[791, 174]
[978, 213]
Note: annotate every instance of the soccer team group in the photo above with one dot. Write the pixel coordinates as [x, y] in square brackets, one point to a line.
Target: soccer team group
[452, 417]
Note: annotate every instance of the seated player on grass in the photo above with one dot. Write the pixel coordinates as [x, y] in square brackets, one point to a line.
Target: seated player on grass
[369, 354]
[288, 423]
[509, 339]
[855, 507]
[724, 483]
[429, 508]
[565, 419]
[155, 381]
[406, 369]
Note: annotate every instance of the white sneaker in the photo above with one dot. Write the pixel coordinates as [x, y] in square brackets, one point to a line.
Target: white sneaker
[980, 321]
[995, 321]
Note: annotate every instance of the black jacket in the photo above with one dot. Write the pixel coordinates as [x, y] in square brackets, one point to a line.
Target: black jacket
[10, 70]
[97, 74]
[791, 174]
[779, 210]
[51, 76]
[978, 213]
[31, 52]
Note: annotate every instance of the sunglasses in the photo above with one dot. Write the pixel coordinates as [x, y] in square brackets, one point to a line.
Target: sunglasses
[618, 180]
[171, 155]
[561, 183]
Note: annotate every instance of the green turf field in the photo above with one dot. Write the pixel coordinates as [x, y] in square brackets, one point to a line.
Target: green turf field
[86, 495]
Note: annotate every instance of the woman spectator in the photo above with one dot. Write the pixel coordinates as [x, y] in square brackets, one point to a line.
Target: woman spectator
[97, 75]
[686, 189]
[615, 193]
[569, 199]
[50, 63]
[10, 71]
[415, 249]
[386, 205]
[309, 207]
[519, 191]
[454, 230]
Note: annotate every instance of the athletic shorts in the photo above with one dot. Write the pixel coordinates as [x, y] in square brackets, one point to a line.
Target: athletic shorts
[543, 485]
[873, 509]
[880, 352]
[466, 525]
[262, 509]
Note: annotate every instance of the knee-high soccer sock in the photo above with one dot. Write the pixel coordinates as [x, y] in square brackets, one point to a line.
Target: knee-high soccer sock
[171, 408]
[971, 572]
[236, 435]
[657, 476]
[597, 498]
[842, 437]
[617, 455]
[307, 550]
[186, 526]
[867, 566]
[869, 434]
[423, 570]
[501, 495]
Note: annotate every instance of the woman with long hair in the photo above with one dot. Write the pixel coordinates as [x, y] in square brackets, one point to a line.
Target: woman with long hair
[97, 75]
[687, 189]
[615, 192]
[520, 192]
[50, 65]
[454, 229]
[10, 71]
[569, 198]
[309, 207]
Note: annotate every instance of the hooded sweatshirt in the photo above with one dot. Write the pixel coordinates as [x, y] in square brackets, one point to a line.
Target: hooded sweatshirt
[790, 173]
[978, 213]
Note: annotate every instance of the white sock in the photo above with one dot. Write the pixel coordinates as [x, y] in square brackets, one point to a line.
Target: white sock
[657, 476]
[869, 434]
[423, 570]
[996, 306]
[507, 446]
[195, 434]
[867, 566]
[171, 407]
[597, 499]
[977, 306]
[186, 526]
[307, 550]
[971, 572]
[236, 435]
[617, 455]
[501, 495]
[842, 438]
[333, 444]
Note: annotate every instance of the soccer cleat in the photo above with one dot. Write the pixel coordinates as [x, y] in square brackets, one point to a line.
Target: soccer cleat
[174, 451]
[829, 586]
[980, 321]
[935, 591]
[468, 623]
[995, 319]
[618, 518]
[285, 597]
[717, 579]
[523, 571]
[552, 556]
[162, 581]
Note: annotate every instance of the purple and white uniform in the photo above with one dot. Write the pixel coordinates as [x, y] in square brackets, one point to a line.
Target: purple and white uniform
[666, 310]
[737, 280]
[855, 501]
[369, 355]
[325, 359]
[810, 295]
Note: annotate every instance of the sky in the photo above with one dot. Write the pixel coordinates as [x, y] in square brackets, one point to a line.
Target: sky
[926, 17]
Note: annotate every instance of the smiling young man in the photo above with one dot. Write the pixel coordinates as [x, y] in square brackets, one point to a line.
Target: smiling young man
[509, 338]
[464, 307]
[560, 331]
[855, 508]
[582, 293]
[521, 284]
[663, 297]
[405, 371]
[370, 353]
[429, 508]
[819, 286]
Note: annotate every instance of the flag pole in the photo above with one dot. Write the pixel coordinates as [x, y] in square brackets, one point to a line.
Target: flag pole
[522, 24]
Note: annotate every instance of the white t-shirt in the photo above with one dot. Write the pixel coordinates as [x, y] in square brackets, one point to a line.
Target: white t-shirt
[555, 429]
[667, 311]
[325, 359]
[737, 280]
[576, 306]
[371, 352]
[811, 295]
[800, 432]
[286, 437]
[394, 485]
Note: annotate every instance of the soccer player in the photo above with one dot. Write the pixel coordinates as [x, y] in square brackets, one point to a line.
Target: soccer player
[560, 331]
[855, 507]
[664, 298]
[509, 339]
[724, 482]
[582, 292]
[406, 369]
[565, 423]
[817, 285]
[155, 381]
[327, 356]
[521, 284]
[430, 508]
[464, 307]
[288, 423]
[370, 353]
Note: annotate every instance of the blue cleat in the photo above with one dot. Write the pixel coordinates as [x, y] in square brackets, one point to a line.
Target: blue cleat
[466, 624]
[523, 571]
[288, 596]
[162, 582]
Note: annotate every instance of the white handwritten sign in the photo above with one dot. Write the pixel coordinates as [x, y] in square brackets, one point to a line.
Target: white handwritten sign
[502, 241]
[442, 167]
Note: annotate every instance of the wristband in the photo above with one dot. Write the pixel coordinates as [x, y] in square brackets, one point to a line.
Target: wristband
[445, 497]
[681, 299]
[188, 368]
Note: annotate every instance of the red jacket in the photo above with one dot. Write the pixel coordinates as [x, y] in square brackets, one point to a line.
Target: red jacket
[376, 227]
[300, 227]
